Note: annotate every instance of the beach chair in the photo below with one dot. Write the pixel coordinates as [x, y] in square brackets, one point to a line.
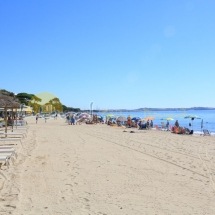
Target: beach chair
[163, 127]
[206, 132]
[157, 127]
[9, 151]
[13, 134]
[4, 160]
[6, 147]
[21, 129]
[19, 122]
[10, 141]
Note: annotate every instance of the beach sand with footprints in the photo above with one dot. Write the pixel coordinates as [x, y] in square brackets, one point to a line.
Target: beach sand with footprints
[103, 170]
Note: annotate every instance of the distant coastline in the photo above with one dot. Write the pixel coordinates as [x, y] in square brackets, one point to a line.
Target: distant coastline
[155, 109]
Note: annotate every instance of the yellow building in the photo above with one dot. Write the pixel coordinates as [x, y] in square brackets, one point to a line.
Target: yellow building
[48, 108]
[25, 110]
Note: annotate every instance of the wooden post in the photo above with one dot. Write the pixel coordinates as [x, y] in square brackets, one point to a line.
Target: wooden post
[5, 119]
[16, 118]
[12, 121]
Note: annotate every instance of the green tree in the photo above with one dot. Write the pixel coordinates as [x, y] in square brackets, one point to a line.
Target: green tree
[7, 93]
[24, 98]
[56, 104]
[68, 109]
[34, 103]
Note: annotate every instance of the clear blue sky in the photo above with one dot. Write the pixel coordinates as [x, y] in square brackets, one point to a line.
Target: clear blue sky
[116, 53]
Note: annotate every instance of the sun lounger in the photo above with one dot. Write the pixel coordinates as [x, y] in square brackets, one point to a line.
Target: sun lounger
[5, 140]
[4, 160]
[19, 123]
[10, 133]
[9, 151]
[21, 129]
[6, 147]
[206, 132]
[23, 134]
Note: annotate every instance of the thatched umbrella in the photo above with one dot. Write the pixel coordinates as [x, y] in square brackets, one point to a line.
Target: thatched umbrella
[8, 102]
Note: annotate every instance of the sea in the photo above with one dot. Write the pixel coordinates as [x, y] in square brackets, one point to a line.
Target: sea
[205, 120]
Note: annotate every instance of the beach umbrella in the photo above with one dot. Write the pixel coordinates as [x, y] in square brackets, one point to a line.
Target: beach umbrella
[100, 117]
[84, 115]
[110, 116]
[8, 102]
[168, 119]
[192, 117]
[121, 119]
[136, 118]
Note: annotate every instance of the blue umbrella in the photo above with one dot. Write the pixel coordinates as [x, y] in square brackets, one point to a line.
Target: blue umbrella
[136, 118]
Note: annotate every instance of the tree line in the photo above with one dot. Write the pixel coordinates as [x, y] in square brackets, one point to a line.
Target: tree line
[34, 101]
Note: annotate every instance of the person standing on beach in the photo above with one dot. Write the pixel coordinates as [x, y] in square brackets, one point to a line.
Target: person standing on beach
[72, 120]
[37, 118]
[147, 124]
[151, 124]
[167, 125]
[67, 118]
[129, 121]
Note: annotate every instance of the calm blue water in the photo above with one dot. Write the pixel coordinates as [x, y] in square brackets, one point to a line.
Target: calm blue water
[208, 117]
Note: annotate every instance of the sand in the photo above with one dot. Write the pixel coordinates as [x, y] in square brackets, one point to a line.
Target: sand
[102, 170]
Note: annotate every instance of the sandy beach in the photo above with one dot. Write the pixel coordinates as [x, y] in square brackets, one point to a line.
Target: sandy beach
[103, 170]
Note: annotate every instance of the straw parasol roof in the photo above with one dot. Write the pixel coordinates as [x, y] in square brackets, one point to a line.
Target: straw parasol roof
[8, 102]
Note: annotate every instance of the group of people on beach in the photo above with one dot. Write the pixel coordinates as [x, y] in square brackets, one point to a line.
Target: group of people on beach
[136, 123]
[147, 125]
[45, 116]
[140, 124]
[70, 118]
[180, 130]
